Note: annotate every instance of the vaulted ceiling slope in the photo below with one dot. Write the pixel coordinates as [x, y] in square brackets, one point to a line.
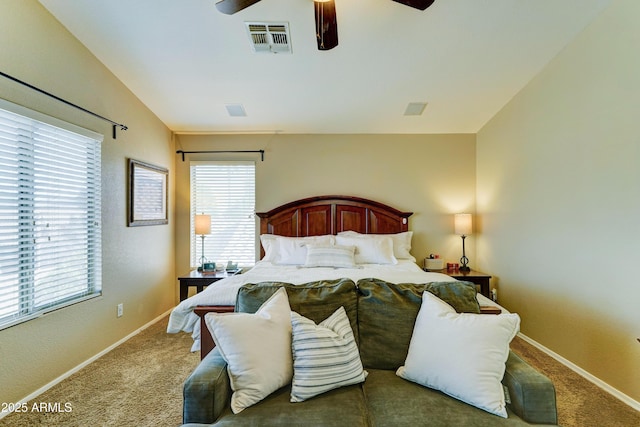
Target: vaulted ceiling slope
[465, 58]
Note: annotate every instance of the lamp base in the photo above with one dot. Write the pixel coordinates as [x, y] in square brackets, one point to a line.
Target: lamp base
[464, 260]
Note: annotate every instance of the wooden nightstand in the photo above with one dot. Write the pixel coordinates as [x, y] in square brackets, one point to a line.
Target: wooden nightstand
[472, 276]
[200, 280]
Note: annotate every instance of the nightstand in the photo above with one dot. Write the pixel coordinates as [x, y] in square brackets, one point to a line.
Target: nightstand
[200, 280]
[473, 276]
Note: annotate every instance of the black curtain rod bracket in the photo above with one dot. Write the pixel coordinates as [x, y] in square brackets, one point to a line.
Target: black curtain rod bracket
[222, 151]
[64, 101]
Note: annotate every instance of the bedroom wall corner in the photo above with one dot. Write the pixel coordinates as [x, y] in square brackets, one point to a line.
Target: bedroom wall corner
[559, 195]
[138, 263]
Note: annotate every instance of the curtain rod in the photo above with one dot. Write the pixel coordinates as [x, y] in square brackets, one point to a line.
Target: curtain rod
[57, 98]
[222, 151]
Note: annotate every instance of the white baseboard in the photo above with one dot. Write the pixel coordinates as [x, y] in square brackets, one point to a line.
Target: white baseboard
[578, 370]
[85, 363]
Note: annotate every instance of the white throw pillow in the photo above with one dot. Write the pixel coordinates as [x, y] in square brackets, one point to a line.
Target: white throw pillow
[293, 250]
[462, 355]
[337, 256]
[370, 251]
[257, 349]
[268, 244]
[325, 356]
[401, 242]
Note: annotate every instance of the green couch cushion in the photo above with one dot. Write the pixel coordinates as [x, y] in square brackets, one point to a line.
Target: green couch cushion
[459, 295]
[313, 300]
[345, 406]
[393, 401]
[387, 313]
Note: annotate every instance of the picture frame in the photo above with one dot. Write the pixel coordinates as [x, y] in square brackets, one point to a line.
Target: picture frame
[148, 195]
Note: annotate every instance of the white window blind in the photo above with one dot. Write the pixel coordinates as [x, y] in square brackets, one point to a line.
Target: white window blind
[50, 214]
[226, 191]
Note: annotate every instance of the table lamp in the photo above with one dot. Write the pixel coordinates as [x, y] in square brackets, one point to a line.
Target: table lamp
[203, 227]
[463, 227]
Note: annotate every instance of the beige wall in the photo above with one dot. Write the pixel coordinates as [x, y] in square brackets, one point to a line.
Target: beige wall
[430, 175]
[138, 263]
[559, 199]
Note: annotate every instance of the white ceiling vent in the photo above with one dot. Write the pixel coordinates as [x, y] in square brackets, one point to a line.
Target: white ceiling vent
[269, 37]
[415, 108]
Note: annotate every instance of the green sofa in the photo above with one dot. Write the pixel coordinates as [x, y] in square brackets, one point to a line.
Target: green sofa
[382, 316]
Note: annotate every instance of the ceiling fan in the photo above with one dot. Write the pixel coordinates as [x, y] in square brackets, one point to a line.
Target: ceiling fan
[325, 14]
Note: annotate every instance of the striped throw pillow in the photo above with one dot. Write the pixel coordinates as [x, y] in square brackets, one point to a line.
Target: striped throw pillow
[336, 256]
[325, 356]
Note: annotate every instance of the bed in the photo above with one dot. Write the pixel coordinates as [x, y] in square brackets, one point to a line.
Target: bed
[301, 242]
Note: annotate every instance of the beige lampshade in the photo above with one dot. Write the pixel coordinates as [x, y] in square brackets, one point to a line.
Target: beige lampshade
[463, 224]
[203, 224]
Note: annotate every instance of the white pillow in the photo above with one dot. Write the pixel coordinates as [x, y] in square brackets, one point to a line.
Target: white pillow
[325, 356]
[268, 243]
[330, 256]
[370, 251]
[293, 250]
[257, 349]
[462, 355]
[401, 242]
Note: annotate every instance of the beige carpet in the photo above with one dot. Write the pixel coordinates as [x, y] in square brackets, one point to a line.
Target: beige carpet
[137, 384]
[140, 384]
[580, 402]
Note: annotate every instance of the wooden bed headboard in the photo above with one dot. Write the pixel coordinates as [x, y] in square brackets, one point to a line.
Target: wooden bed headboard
[315, 216]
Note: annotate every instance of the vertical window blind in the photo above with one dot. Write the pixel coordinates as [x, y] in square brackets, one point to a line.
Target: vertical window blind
[226, 191]
[50, 214]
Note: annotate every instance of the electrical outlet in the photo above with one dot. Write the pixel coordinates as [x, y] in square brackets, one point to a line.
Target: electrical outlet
[120, 309]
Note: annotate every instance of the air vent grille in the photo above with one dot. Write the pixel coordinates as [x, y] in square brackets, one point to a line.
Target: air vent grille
[269, 37]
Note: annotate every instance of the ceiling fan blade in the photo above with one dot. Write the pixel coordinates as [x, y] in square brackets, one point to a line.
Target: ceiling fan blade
[416, 4]
[230, 7]
[326, 24]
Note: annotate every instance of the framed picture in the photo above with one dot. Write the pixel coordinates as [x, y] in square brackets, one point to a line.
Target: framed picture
[147, 194]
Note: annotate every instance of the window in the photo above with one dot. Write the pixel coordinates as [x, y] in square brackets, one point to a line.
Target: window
[50, 214]
[226, 191]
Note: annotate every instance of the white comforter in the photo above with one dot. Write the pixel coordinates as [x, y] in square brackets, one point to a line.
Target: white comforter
[224, 291]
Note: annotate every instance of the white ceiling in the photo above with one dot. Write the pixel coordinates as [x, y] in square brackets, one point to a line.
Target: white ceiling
[466, 58]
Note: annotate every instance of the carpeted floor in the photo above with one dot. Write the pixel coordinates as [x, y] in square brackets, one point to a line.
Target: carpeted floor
[140, 384]
[137, 384]
[580, 402]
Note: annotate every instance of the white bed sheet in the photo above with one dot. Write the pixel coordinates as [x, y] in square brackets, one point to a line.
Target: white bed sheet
[224, 291]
